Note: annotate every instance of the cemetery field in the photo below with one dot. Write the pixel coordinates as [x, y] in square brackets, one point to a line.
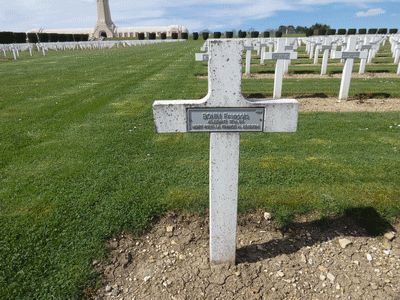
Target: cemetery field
[80, 162]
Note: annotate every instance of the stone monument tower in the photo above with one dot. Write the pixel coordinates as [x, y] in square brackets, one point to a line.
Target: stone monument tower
[105, 26]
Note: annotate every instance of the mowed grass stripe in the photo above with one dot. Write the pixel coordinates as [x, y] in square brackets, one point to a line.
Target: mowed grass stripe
[62, 184]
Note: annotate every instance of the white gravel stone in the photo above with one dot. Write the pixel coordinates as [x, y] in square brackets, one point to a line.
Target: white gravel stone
[389, 236]
[280, 274]
[331, 277]
[344, 243]
[267, 216]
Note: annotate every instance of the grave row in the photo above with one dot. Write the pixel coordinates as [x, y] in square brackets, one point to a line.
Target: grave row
[43, 47]
[363, 48]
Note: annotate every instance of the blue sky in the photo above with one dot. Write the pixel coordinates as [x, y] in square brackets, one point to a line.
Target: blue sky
[196, 15]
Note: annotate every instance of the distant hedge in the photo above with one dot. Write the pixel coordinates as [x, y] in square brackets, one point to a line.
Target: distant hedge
[174, 35]
[341, 31]
[372, 31]
[393, 30]
[217, 35]
[266, 34]
[20, 37]
[32, 37]
[81, 37]
[7, 37]
[229, 34]
[184, 35]
[242, 34]
[163, 36]
[205, 35]
[362, 31]
[352, 31]
[331, 32]
[152, 35]
[43, 37]
[63, 37]
[382, 31]
[53, 37]
[254, 34]
[322, 31]
[195, 36]
[141, 35]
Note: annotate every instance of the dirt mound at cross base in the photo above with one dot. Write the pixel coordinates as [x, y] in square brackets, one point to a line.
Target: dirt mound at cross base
[335, 260]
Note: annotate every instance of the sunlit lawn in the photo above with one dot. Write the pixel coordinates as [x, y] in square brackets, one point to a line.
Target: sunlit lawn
[80, 162]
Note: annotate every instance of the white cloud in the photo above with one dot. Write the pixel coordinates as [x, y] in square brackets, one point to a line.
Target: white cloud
[371, 12]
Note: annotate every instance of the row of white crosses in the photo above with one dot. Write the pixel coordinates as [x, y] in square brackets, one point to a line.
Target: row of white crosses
[353, 47]
[224, 113]
[330, 43]
[349, 54]
[43, 47]
[395, 48]
[283, 54]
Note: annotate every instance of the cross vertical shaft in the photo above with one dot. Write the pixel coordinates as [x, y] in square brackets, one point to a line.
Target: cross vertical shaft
[224, 174]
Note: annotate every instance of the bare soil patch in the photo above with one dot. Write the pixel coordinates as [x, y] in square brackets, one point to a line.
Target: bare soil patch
[332, 260]
[367, 75]
[331, 104]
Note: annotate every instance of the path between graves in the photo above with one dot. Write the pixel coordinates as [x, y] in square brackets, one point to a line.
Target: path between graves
[366, 75]
[334, 260]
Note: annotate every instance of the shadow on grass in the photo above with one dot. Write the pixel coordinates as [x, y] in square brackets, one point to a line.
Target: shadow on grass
[369, 219]
[380, 95]
[379, 71]
[315, 95]
[266, 72]
[356, 222]
[299, 72]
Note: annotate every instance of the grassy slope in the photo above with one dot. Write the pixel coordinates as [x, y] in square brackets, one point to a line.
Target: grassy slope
[80, 161]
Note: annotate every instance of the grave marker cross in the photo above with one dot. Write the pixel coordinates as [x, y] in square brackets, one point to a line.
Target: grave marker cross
[280, 55]
[349, 55]
[224, 112]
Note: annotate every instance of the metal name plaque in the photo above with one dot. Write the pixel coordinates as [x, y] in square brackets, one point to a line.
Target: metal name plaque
[225, 119]
[288, 48]
[280, 55]
[347, 55]
[248, 48]
[326, 47]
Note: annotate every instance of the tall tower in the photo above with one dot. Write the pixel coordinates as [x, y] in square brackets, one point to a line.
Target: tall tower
[105, 26]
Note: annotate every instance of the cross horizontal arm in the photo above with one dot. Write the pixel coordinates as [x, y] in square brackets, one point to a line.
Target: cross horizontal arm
[224, 92]
[280, 115]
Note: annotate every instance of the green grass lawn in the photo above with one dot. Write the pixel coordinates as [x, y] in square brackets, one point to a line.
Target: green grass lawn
[80, 162]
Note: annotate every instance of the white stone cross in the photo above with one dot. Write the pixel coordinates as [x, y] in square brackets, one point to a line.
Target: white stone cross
[348, 55]
[224, 112]
[326, 47]
[280, 55]
[363, 61]
[248, 48]
[268, 44]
